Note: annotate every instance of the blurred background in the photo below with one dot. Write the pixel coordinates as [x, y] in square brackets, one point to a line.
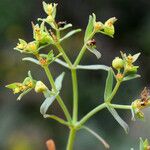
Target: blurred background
[22, 127]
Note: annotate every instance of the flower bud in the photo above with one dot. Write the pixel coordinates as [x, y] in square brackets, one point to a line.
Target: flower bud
[98, 26]
[118, 63]
[40, 87]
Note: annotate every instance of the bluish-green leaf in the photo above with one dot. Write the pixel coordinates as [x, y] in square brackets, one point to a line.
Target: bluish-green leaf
[130, 77]
[93, 67]
[69, 34]
[109, 85]
[106, 145]
[61, 62]
[33, 60]
[118, 118]
[58, 81]
[89, 28]
[46, 104]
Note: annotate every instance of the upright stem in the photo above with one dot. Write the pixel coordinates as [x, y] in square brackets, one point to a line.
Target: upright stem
[60, 101]
[78, 59]
[71, 139]
[75, 95]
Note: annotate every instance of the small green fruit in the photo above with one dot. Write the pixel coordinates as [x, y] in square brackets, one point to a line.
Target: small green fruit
[118, 63]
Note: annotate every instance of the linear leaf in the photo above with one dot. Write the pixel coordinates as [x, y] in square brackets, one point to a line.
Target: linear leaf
[66, 26]
[89, 29]
[23, 94]
[130, 77]
[46, 104]
[106, 145]
[109, 84]
[70, 34]
[118, 118]
[61, 63]
[31, 60]
[93, 67]
[58, 81]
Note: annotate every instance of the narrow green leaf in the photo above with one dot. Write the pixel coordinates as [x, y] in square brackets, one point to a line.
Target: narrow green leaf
[93, 67]
[109, 84]
[33, 60]
[89, 28]
[130, 77]
[58, 81]
[24, 93]
[66, 26]
[46, 104]
[69, 34]
[106, 145]
[94, 51]
[61, 63]
[12, 85]
[118, 118]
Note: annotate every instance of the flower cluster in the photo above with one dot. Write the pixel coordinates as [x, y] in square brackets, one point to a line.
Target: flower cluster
[23, 87]
[125, 66]
[139, 104]
[106, 28]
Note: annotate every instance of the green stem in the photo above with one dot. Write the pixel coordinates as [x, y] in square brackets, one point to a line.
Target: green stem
[114, 91]
[90, 114]
[78, 59]
[75, 95]
[59, 47]
[60, 101]
[57, 119]
[71, 139]
[120, 106]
